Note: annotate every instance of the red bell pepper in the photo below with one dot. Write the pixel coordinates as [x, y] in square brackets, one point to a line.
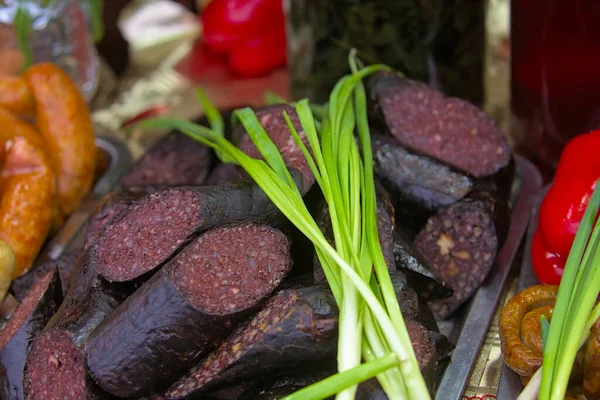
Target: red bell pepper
[563, 206]
[228, 24]
[260, 54]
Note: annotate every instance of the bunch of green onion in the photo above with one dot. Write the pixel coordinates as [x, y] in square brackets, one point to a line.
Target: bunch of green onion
[574, 312]
[373, 340]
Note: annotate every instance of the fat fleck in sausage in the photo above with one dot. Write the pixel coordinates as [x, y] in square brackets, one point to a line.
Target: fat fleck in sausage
[151, 230]
[25, 324]
[460, 243]
[450, 130]
[424, 279]
[192, 302]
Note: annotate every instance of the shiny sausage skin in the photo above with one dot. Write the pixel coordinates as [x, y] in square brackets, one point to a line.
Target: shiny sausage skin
[517, 355]
[63, 119]
[591, 363]
[27, 188]
[15, 95]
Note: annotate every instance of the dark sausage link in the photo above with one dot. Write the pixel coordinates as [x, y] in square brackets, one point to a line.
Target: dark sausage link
[194, 301]
[33, 313]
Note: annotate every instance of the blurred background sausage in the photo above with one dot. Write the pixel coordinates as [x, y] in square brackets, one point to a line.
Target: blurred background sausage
[63, 120]
[27, 185]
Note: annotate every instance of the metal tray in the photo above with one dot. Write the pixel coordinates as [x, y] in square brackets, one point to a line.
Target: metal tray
[510, 384]
[468, 327]
[66, 238]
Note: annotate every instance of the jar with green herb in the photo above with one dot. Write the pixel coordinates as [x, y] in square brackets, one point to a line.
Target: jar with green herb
[58, 31]
[440, 42]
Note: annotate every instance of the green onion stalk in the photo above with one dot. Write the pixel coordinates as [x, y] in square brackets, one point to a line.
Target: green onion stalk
[373, 339]
[574, 311]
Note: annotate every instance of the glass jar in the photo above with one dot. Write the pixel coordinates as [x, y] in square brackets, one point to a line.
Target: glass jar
[440, 42]
[57, 33]
[555, 69]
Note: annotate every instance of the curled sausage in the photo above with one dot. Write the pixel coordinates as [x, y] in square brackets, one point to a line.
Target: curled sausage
[27, 187]
[519, 325]
[15, 95]
[63, 119]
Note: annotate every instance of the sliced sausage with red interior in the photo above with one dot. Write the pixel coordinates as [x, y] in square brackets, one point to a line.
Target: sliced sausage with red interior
[448, 129]
[111, 205]
[272, 120]
[195, 300]
[55, 367]
[460, 243]
[174, 160]
[26, 323]
[294, 329]
[424, 279]
[423, 182]
[150, 231]
[64, 263]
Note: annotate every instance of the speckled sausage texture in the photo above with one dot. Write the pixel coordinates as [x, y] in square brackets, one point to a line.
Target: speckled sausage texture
[110, 206]
[57, 353]
[151, 230]
[460, 243]
[174, 160]
[195, 300]
[25, 324]
[295, 328]
[64, 263]
[424, 279]
[272, 120]
[418, 179]
[448, 129]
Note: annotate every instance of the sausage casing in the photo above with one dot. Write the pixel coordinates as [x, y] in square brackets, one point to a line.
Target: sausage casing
[27, 188]
[63, 119]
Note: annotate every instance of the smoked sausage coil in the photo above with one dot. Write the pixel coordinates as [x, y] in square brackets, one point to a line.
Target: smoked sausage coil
[63, 119]
[27, 184]
[521, 358]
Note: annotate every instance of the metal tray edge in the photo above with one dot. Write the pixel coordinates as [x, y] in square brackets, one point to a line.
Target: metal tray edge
[510, 384]
[485, 300]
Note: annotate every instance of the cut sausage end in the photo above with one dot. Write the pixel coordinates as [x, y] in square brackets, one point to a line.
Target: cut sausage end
[146, 234]
[272, 120]
[240, 343]
[460, 243]
[25, 308]
[55, 368]
[244, 263]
